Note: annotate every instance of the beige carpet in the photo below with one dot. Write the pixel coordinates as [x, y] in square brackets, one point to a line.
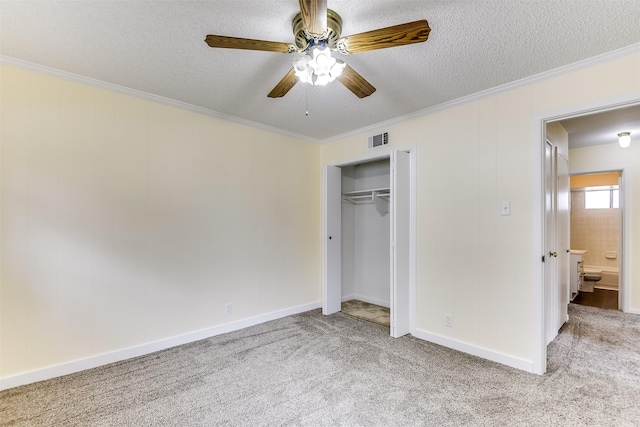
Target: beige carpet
[311, 370]
[364, 310]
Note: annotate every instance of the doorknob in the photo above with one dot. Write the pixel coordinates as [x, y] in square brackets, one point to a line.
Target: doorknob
[553, 254]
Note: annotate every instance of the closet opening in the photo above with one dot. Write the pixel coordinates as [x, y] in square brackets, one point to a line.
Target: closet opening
[368, 243]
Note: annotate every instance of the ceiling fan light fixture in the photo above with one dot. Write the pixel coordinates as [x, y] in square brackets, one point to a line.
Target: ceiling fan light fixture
[301, 63]
[322, 58]
[319, 67]
[624, 139]
[337, 68]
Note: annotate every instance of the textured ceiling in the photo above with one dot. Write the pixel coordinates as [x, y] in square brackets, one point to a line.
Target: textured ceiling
[157, 47]
[602, 128]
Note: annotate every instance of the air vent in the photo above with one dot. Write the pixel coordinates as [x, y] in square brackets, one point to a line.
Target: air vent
[378, 140]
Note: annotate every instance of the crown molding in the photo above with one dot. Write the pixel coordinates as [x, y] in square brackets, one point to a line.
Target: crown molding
[546, 75]
[8, 60]
[634, 48]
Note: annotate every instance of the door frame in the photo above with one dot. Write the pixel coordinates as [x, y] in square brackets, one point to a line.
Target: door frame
[539, 138]
[379, 155]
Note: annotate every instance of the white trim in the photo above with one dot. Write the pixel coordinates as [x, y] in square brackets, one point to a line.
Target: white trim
[348, 297]
[537, 280]
[367, 299]
[624, 273]
[494, 90]
[143, 95]
[413, 239]
[143, 349]
[494, 356]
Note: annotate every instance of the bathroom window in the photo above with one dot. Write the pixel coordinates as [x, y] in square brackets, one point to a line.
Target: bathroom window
[602, 198]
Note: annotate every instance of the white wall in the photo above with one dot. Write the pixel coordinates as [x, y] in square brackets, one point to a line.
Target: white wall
[365, 237]
[125, 222]
[473, 263]
[611, 157]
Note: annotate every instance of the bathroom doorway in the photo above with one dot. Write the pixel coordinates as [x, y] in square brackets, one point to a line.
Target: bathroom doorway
[596, 239]
[593, 147]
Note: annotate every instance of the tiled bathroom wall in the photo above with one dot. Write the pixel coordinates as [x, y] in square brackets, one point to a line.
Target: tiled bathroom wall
[596, 230]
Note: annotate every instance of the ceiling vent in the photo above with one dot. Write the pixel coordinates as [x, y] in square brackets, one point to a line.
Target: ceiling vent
[378, 140]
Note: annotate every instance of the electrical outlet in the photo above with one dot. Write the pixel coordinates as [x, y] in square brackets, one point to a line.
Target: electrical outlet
[228, 309]
[448, 320]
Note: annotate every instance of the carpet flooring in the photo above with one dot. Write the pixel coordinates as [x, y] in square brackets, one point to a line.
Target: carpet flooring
[310, 369]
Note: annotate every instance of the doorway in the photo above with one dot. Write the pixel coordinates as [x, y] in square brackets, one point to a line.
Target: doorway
[596, 238]
[392, 204]
[544, 312]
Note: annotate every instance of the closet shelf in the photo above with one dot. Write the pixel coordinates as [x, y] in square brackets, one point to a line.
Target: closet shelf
[366, 196]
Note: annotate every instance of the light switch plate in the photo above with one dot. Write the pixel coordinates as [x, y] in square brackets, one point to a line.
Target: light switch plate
[506, 208]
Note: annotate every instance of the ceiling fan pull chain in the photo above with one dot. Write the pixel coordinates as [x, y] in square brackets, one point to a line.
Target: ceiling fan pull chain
[306, 101]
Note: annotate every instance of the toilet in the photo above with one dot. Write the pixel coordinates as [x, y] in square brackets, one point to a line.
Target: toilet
[589, 278]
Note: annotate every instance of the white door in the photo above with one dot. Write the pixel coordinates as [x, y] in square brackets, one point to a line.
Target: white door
[564, 233]
[400, 243]
[550, 252]
[332, 274]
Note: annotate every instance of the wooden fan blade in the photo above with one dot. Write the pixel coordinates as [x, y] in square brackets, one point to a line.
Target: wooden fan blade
[314, 15]
[398, 35]
[285, 85]
[249, 44]
[355, 82]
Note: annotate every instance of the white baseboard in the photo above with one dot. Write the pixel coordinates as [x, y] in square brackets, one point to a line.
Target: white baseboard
[364, 298]
[140, 350]
[504, 359]
[348, 297]
[633, 311]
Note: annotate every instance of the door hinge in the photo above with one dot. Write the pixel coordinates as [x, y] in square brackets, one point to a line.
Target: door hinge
[542, 258]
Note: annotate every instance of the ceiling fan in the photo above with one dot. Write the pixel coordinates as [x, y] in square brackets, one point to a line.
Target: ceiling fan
[317, 32]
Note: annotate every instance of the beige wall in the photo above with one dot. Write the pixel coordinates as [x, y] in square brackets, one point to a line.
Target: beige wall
[125, 222]
[472, 262]
[607, 158]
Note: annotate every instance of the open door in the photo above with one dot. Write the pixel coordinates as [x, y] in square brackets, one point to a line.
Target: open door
[400, 243]
[564, 233]
[550, 259]
[332, 287]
